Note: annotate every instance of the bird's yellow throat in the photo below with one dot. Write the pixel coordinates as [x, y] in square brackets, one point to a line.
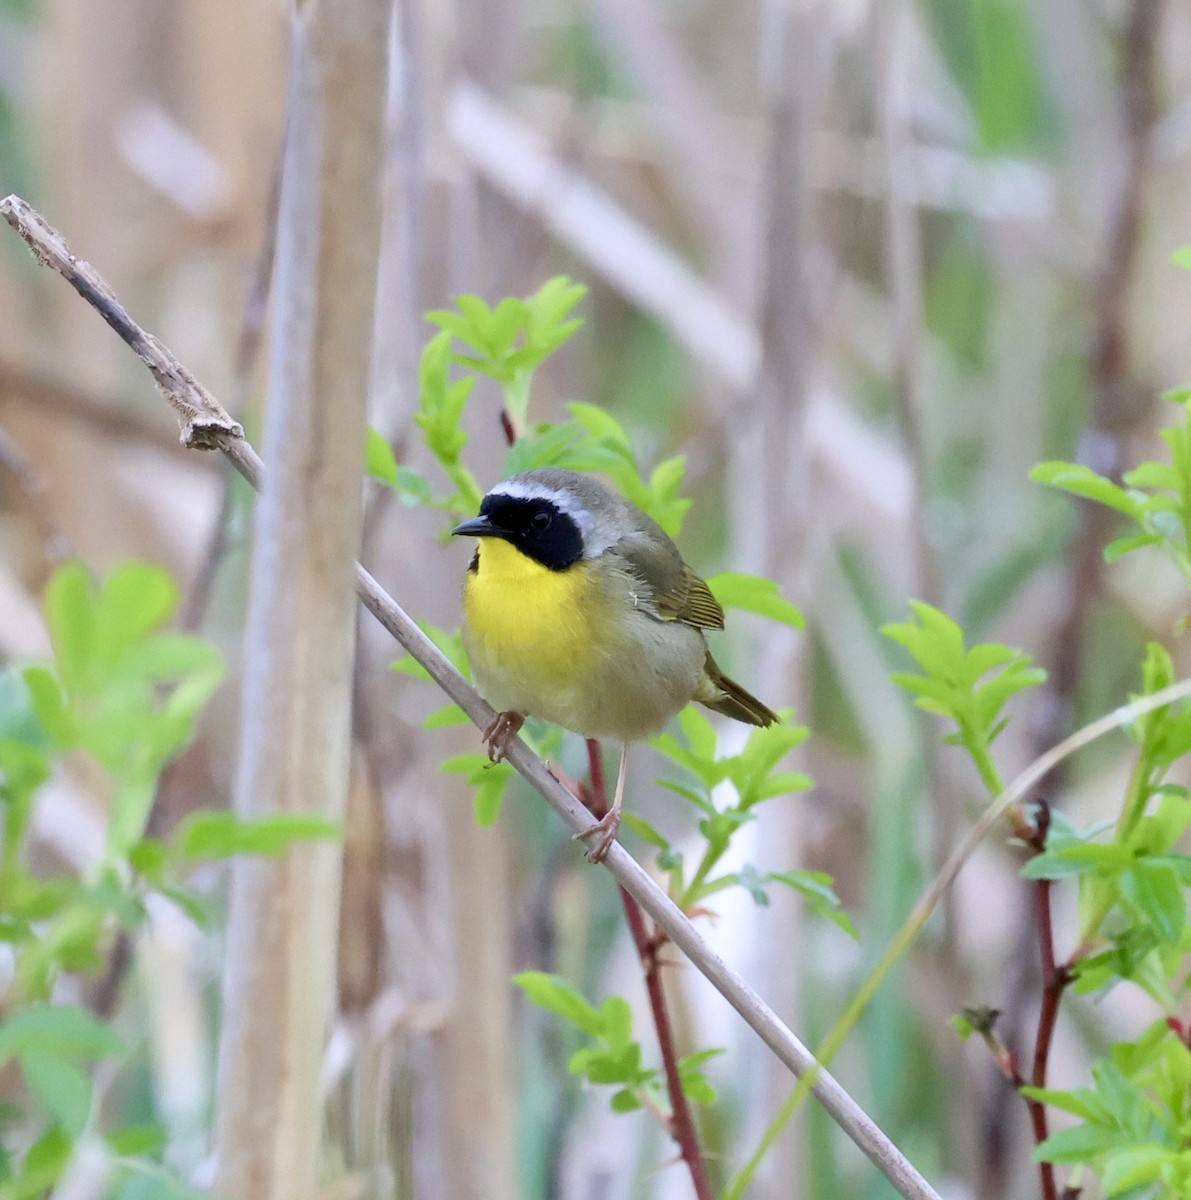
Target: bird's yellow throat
[523, 612]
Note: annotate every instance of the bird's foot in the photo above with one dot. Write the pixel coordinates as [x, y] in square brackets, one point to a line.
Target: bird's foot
[500, 733]
[602, 834]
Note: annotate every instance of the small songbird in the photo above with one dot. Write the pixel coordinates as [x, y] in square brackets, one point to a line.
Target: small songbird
[579, 609]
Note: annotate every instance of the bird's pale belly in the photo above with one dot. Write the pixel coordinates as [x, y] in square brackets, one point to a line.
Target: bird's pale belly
[567, 647]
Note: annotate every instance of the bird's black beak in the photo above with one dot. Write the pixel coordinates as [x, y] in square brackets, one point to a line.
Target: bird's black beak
[477, 527]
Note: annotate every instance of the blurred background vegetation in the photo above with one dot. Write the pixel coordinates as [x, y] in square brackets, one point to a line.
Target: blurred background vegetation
[862, 262]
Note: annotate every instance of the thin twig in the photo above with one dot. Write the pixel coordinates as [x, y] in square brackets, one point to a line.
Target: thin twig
[1055, 979]
[205, 425]
[682, 1122]
[1054, 982]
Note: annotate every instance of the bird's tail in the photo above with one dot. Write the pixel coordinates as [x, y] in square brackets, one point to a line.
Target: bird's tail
[724, 695]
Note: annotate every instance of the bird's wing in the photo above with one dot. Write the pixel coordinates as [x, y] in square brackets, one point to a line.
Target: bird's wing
[671, 587]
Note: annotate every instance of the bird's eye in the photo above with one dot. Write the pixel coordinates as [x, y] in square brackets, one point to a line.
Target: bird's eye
[541, 520]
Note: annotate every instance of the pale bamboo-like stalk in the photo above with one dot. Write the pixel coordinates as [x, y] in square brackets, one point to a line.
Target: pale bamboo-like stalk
[51, 250]
[279, 971]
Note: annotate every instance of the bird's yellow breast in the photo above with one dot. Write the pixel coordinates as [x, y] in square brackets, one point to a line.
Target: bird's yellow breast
[521, 613]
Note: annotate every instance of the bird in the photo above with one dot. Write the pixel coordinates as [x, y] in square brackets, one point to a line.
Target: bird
[579, 609]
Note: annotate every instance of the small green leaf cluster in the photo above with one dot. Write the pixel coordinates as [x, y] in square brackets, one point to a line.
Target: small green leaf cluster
[125, 694]
[451, 646]
[594, 440]
[507, 343]
[755, 594]
[610, 1056]
[967, 686]
[754, 775]
[381, 463]
[510, 341]
[1134, 1126]
[1156, 497]
[1132, 886]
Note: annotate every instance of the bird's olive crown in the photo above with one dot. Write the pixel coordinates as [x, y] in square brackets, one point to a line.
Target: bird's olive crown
[537, 526]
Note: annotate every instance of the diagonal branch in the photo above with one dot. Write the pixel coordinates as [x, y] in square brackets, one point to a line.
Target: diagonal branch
[207, 426]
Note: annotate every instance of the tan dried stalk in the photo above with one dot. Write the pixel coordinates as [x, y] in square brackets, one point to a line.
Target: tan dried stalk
[280, 965]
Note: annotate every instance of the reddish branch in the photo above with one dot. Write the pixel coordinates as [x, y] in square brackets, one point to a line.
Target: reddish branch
[1055, 978]
[649, 945]
[1120, 408]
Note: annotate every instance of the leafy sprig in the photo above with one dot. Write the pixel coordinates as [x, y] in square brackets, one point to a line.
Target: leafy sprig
[1134, 1125]
[1132, 886]
[1156, 497]
[610, 1056]
[968, 686]
[510, 341]
[126, 693]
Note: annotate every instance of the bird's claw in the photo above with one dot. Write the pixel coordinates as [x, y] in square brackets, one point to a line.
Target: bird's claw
[500, 733]
[604, 833]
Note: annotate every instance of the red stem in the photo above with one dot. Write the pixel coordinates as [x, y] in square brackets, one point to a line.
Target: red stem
[1055, 979]
[682, 1122]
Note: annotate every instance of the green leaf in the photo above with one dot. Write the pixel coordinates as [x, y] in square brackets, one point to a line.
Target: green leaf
[618, 1022]
[489, 797]
[1082, 1143]
[449, 716]
[49, 706]
[18, 720]
[136, 599]
[59, 1029]
[561, 997]
[816, 888]
[410, 666]
[700, 799]
[545, 446]
[754, 593]
[61, 1089]
[644, 830]
[753, 883]
[1154, 892]
[1080, 1102]
[379, 460]
[599, 423]
[149, 858]
[1133, 1166]
[213, 835]
[68, 602]
[46, 1160]
[190, 902]
[1083, 481]
[1182, 257]
[138, 1140]
[1119, 547]
[1159, 476]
